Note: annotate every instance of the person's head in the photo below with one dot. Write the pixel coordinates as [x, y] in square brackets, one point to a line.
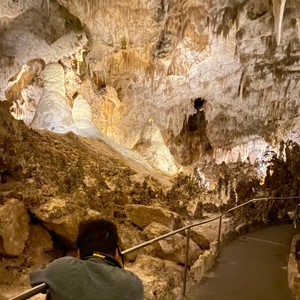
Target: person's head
[97, 235]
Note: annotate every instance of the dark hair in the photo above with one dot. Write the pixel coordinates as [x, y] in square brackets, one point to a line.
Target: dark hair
[97, 235]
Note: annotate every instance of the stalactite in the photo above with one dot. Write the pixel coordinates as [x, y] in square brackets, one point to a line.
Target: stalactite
[241, 87]
[278, 10]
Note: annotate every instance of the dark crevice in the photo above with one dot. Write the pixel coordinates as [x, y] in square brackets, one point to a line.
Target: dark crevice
[198, 103]
[192, 144]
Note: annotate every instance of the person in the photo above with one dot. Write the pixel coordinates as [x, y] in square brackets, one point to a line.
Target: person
[98, 271]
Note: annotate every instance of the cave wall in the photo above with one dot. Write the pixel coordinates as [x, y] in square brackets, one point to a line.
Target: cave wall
[140, 60]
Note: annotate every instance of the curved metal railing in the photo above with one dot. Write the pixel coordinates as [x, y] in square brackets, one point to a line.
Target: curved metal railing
[43, 287]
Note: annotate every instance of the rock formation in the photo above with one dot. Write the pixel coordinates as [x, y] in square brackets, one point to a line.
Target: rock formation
[14, 227]
[239, 57]
[153, 113]
[53, 113]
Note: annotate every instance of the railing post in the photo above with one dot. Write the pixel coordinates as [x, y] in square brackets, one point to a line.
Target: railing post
[186, 260]
[219, 236]
[296, 216]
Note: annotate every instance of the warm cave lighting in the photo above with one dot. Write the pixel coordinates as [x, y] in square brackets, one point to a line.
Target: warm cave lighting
[264, 162]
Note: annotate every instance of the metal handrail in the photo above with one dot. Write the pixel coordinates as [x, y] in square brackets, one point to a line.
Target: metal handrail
[200, 223]
[42, 287]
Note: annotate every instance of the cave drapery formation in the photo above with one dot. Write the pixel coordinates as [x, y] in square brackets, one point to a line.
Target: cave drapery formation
[135, 62]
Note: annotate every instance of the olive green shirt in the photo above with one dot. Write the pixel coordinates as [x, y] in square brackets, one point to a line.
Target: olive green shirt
[71, 278]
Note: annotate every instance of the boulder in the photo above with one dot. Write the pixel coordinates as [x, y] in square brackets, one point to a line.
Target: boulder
[200, 239]
[14, 227]
[39, 238]
[131, 236]
[171, 248]
[142, 216]
[155, 229]
[208, 230]
[161, 279]
[39, 242]
[63, 218]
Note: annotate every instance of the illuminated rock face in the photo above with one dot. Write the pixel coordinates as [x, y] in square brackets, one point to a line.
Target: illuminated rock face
[81, 112]
[29, 30]
[152, 147]
[14, 228]
[250, 151]
[53, 113]
[227, 54]
[152, 59]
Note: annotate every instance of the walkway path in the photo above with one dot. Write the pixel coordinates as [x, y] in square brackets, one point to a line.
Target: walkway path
[254, 267]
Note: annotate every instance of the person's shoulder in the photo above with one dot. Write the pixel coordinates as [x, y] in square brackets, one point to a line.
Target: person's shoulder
[54, 269]
[66, 260]
[133, 281]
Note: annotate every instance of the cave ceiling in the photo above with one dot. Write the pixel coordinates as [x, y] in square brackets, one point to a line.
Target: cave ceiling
[211, 75]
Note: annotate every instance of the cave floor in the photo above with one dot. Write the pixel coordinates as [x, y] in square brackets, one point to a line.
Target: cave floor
[253, 267]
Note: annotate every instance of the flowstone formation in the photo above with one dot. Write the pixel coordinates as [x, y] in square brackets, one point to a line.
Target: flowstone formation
[138, 60]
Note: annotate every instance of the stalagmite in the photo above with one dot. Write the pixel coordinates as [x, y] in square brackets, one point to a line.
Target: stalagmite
[278, 10]
[53, 112]
[82, 116]
[154, 150]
